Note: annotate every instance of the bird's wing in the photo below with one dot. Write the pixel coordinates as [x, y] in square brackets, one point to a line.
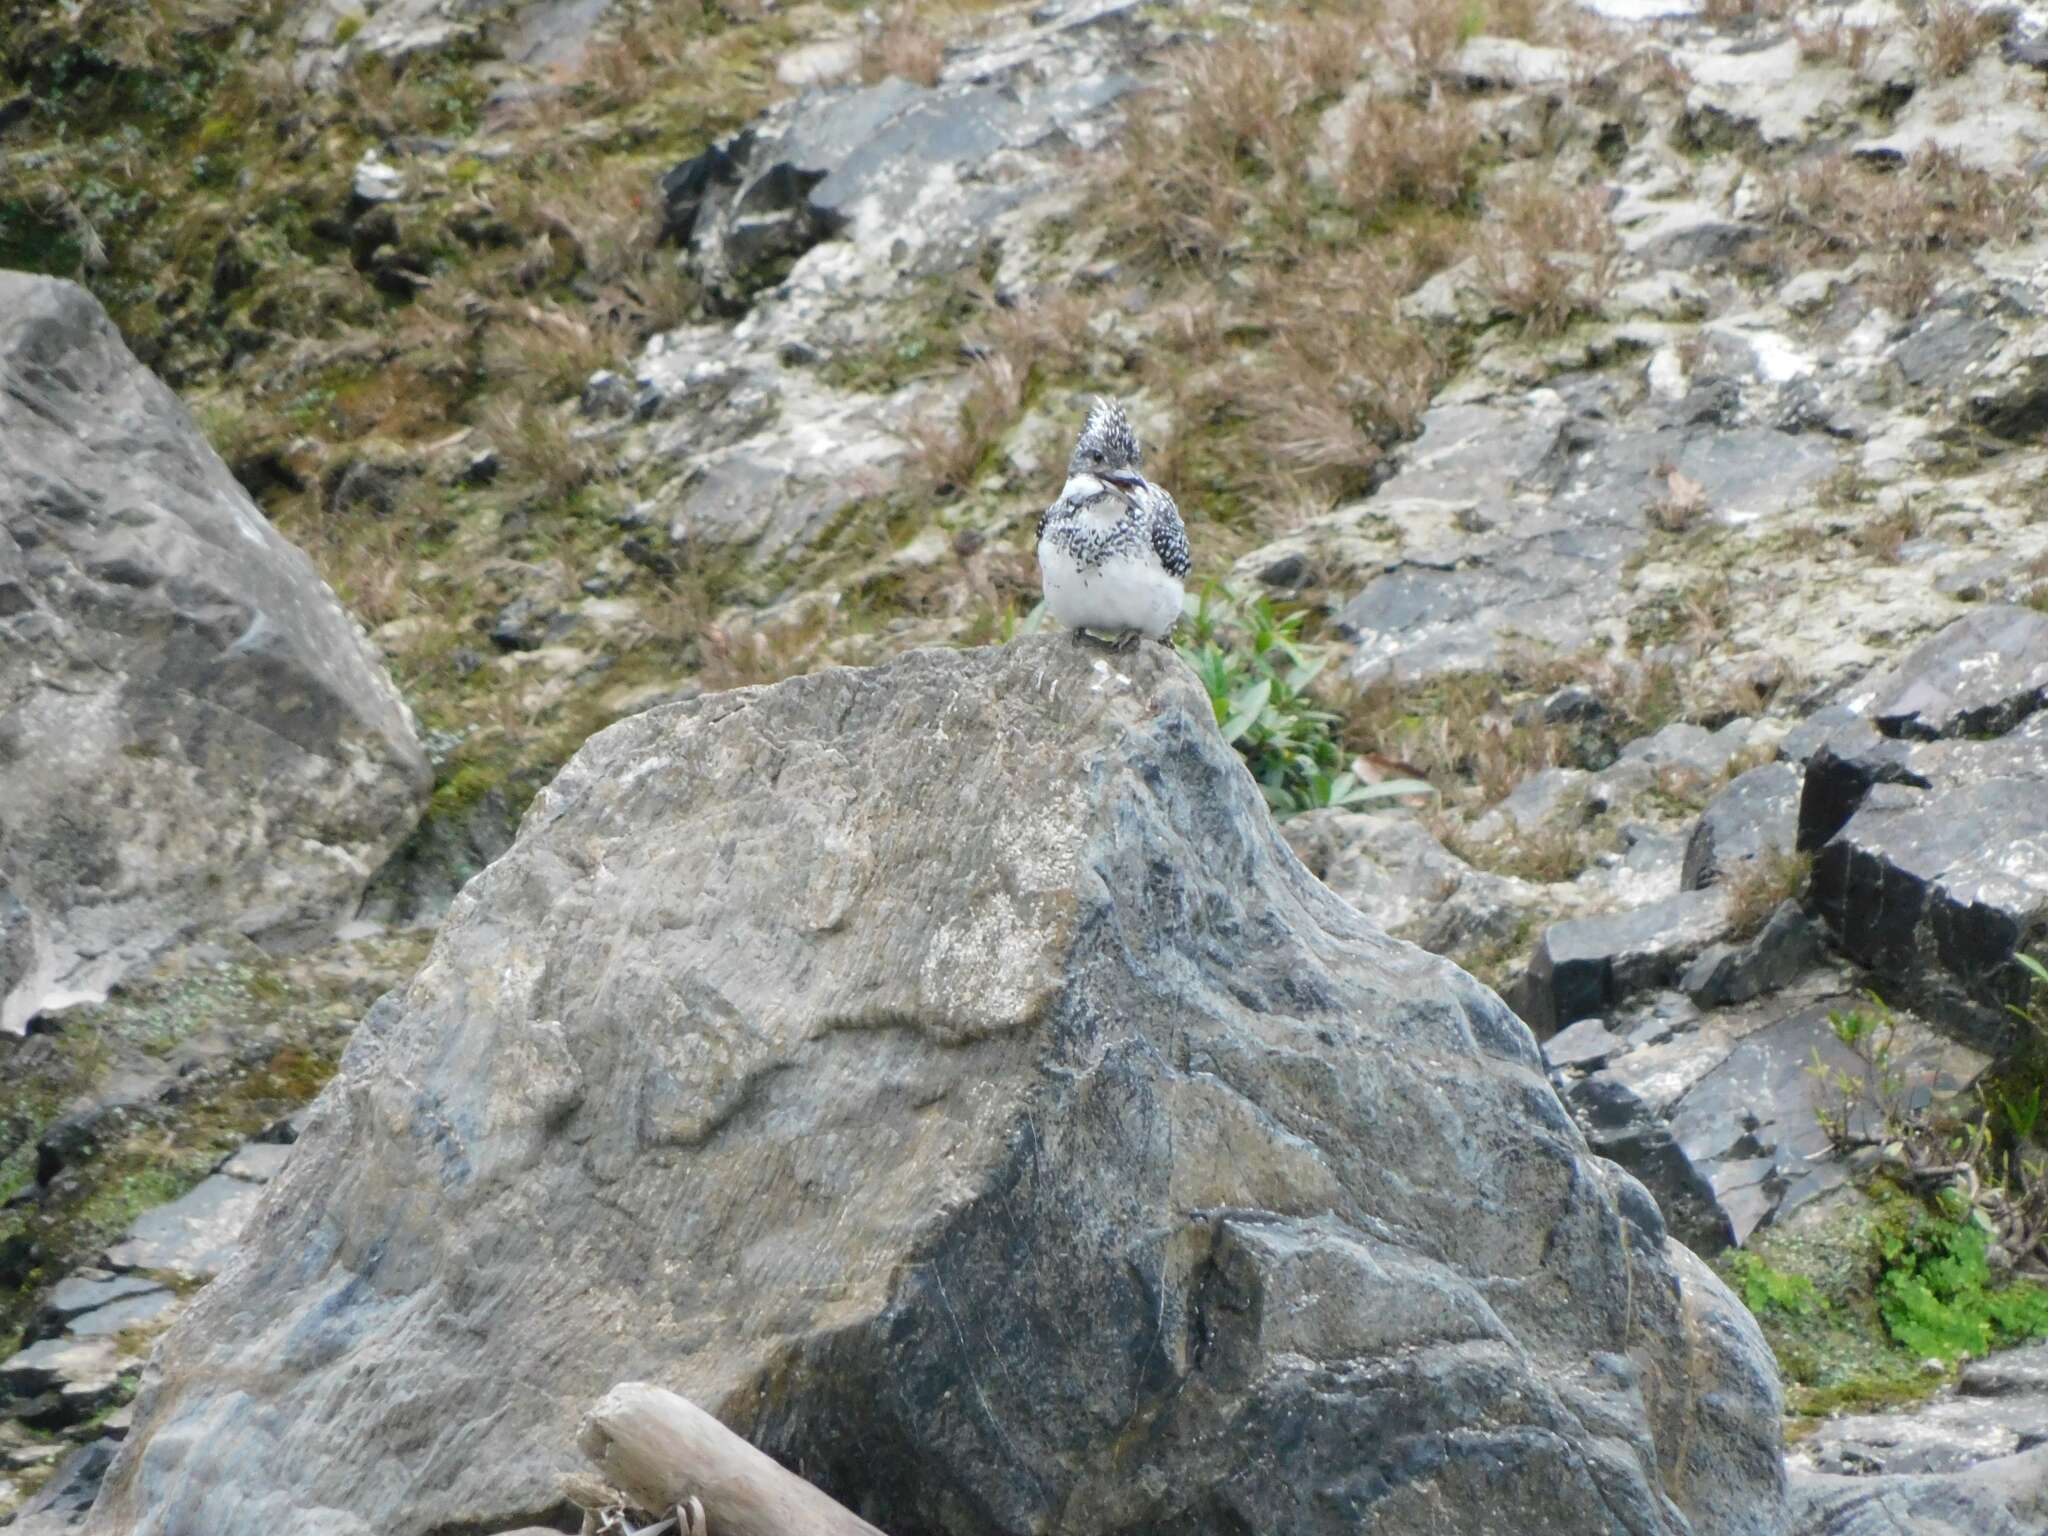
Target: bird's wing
[1044, 517]
[1169, 535]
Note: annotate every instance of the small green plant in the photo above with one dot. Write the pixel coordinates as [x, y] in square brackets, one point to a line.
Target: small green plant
[1936, 1292]
[1765, 1289]
[1257, 670]
[1879, 1088]
[346, 29]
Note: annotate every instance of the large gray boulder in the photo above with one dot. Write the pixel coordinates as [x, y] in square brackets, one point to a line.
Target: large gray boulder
[946, 1073]
[193, 734]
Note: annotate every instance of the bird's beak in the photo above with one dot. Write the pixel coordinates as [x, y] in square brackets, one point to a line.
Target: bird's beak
[1122, 482]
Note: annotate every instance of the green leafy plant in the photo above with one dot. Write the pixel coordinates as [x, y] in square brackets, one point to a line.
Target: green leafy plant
[1765, 1289]
[1936, 1294]
[1257, 670]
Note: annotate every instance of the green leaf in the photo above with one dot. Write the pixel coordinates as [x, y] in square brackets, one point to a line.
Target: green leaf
[1245, 708]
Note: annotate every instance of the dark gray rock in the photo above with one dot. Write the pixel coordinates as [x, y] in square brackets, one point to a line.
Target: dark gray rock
[1719, 1120]
[1816, 731]
[1053, 1150]
[1757, 812]
[1841, 770]
[1981, 676]
[2006, 1497]
[193, 734]
[1586, 1044]
[1583, 967]
[60, 1382]
[65, 1501]
[2009, 1373]
[526, 624]
[806, 174]
[1573, 704]
[1939, 874]
[1945, 348]
[1788, 947]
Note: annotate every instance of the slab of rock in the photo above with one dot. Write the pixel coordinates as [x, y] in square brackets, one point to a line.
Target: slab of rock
[88, 1289]
[1946, 1434]
[116, 1317]
[2006, 1497]
[259, 1162]
[61, 1381]
[1939, 874]
[1719, 1119]
[945, 1073]
[1757, 812]
[1980, 677]
[62, 1503]
[1788, 948]
[193, 734]
[1584, 967]
[2009, 1373]
[195, 1235]
[1392, 868]
[1517, 516]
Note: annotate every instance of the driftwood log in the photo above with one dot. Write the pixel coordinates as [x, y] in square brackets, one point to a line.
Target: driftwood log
[662, 1451]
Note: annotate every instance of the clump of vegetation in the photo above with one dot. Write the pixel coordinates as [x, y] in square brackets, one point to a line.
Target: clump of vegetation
[1938, 1294]
[1946, 1260]
[1929, 210]
[1758, 887]
[1769, 1291]
[1957, 1260]
[1258, 670]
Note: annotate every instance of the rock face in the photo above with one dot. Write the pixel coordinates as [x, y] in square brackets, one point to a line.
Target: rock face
[192, 732]
[1716, 1112]
[946, 1073]
[1929, 819]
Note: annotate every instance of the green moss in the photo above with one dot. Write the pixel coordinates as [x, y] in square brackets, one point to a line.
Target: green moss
[345, 30]
[1767, 1290]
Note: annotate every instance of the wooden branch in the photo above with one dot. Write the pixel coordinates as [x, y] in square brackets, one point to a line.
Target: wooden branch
[662, 1450]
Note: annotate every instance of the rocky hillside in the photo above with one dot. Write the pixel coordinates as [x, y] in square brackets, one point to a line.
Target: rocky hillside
[1622, 417]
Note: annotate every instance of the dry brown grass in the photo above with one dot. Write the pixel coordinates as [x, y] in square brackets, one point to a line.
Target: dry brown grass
[905, 46]
[1743, 13]
[1836, 42]
[1551, 253]
[537, 448]
[1399, 152]
[1680, 503]
[1913, 218]
[948, 451]
[1953, 32]
[1458, 732]
[1882, 536]
[1757, 887]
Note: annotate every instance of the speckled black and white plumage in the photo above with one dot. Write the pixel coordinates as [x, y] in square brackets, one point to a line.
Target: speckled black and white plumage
[1112, 551]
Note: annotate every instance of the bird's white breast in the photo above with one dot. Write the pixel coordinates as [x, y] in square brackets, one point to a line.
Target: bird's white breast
[1123, 591]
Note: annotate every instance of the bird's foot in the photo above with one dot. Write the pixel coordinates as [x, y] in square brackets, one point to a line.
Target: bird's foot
[1129, 640]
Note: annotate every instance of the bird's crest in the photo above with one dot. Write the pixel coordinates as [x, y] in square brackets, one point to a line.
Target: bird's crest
[1106, 441]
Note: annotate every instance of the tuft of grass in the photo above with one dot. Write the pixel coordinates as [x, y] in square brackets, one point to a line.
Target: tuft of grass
[1758, 887]
[1952, 33]
[1929, 211]
[905, 46]
[1553, 254]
